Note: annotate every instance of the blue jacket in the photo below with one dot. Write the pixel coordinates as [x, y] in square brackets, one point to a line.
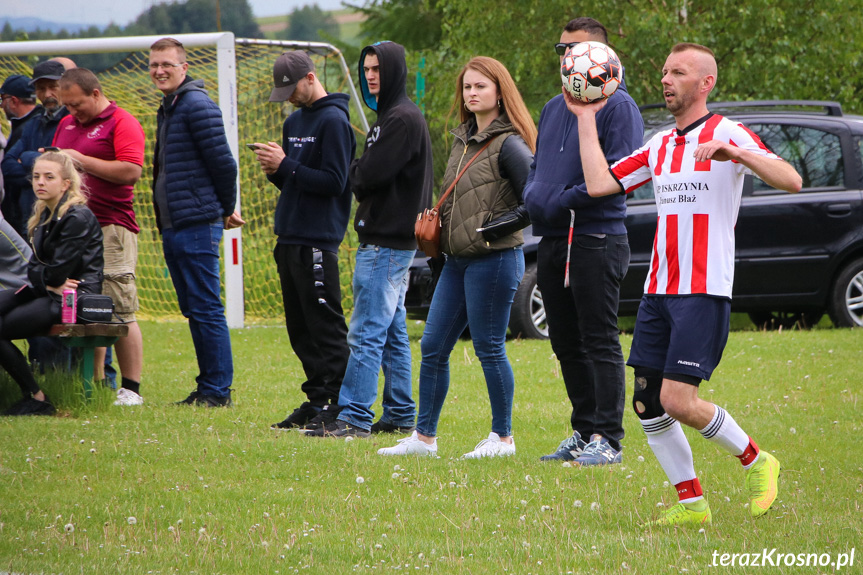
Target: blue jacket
[555, 184]
[37, 133]
[315, 203]
[200, 173]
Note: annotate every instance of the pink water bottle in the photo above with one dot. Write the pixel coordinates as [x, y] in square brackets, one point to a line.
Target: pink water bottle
[70, 306]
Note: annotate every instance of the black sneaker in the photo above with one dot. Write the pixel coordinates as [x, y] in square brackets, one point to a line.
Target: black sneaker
[339, 428]
[204, 400]
[386, 427]
[30, 406]
[189, 400]
[325, 416]
[299, 418]
[568, 450]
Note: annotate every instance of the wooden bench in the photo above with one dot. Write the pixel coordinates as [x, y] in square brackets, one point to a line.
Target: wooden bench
[89, 336]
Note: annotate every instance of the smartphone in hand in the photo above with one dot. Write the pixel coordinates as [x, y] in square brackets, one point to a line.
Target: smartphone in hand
[252, 147]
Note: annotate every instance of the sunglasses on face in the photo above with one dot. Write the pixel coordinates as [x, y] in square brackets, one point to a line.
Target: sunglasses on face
[561, 48]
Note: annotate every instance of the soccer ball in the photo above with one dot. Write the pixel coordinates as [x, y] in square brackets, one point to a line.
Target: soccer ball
[591, 71]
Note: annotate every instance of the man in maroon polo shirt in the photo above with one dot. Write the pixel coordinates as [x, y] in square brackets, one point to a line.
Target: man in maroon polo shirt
[108, 143]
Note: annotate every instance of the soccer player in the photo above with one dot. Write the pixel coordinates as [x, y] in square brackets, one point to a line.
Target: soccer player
[697, 170]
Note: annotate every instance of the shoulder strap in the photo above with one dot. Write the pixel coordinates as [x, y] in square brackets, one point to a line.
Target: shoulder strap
[460, 174]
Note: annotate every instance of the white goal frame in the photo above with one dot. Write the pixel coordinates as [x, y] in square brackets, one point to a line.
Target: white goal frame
[224, 43]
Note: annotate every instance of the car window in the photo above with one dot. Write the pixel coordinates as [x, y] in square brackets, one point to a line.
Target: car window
[815, 154]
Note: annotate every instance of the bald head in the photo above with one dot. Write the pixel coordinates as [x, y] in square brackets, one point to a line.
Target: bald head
[701, 57]
[67, 63]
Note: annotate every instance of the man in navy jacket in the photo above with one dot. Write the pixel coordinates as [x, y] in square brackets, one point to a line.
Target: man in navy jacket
[194, 194]
[580, 281]
[311, 170]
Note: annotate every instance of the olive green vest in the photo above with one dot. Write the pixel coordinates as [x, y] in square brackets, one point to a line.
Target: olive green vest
[480, 195]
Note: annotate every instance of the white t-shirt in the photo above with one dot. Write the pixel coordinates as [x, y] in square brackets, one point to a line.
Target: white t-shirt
[697, 205]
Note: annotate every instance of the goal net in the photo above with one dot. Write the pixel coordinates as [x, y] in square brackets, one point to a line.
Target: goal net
[238, 75]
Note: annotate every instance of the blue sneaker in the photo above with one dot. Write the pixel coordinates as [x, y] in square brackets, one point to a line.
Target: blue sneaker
[568, 450]
[598, 452]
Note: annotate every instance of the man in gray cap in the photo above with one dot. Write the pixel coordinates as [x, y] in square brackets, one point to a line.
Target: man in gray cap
[311, 170]
[37, 134]
[19, 105]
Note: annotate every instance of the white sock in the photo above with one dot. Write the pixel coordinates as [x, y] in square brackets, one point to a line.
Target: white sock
[665, 437]
[724, 431]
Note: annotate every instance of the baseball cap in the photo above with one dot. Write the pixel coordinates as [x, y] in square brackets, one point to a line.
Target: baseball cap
[18, 86]
[288, 69]
[48, 70]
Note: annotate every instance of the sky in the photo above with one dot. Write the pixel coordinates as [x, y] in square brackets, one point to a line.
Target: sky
[102, 12]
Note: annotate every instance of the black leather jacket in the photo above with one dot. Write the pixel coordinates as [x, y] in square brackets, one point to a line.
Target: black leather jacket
[67, 247]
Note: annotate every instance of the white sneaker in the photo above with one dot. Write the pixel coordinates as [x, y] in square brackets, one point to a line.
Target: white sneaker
[128, 397]
[491, 447]
[410, 445]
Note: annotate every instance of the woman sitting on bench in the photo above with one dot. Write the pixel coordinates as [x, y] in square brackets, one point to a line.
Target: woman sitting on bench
[67, 254]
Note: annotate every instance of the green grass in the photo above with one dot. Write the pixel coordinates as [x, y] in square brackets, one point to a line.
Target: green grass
[164, 489]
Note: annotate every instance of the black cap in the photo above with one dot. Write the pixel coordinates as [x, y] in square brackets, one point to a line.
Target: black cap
[18, 86]
[287, 71]
[48, 70]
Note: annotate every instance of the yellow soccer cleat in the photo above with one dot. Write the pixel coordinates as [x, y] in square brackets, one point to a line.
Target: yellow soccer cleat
[695, 513]
[762, 483]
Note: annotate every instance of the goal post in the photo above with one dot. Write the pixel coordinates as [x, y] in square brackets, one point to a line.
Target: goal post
[240, 70]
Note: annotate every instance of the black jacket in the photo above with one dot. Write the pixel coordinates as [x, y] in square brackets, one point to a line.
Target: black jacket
[67, 247]
[393, 179]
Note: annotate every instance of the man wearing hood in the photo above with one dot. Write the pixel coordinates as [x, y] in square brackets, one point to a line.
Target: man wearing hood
[392, 182]
[581, 260]
[194, 194]
[311, 170]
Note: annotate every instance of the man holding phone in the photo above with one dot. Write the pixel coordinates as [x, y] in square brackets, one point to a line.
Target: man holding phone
[311, 170]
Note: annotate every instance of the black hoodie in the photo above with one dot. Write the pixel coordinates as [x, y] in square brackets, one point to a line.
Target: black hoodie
[393, 179]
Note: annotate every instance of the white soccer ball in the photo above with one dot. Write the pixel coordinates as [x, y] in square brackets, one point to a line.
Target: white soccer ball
[591, 71]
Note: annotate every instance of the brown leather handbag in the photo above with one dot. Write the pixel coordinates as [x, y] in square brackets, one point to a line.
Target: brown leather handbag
[427, 227]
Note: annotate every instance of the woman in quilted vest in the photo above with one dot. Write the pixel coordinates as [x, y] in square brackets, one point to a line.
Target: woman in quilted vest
[67, 254]
[481, 221]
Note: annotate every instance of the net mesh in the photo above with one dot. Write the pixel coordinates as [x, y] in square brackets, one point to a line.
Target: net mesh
[128, 83]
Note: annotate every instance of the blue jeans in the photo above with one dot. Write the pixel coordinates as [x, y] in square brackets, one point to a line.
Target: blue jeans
[475, 292]
[378, 338]
[192, 255]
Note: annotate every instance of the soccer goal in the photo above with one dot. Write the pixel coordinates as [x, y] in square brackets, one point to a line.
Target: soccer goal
[238, 75]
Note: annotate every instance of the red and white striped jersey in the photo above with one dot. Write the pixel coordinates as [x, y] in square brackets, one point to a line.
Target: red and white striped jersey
[697, 205]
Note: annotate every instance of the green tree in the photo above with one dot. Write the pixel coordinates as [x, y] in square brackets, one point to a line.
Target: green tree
[311, 24]
[197, 16]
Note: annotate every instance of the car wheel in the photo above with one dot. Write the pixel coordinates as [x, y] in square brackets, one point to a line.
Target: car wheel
[527, 318]
[846, 303]
[771, 320]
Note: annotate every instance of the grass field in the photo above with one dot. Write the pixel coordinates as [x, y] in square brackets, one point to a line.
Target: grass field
[165, 489]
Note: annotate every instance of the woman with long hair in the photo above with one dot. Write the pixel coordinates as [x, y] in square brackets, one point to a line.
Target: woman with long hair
[481, 222]
[67, 254]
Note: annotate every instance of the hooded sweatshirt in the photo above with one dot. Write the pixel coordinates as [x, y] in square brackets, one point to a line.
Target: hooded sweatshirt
[393, 179]
[315, 203]
[555, 184]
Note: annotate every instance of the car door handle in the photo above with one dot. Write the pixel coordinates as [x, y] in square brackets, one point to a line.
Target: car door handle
[839, 210]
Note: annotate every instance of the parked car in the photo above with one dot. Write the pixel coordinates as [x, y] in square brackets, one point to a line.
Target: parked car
[798, 256]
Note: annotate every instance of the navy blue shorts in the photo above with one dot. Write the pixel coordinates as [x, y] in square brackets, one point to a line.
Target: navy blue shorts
[684, 335]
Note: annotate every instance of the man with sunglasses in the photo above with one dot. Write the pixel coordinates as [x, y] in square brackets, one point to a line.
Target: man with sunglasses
[582, 258]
